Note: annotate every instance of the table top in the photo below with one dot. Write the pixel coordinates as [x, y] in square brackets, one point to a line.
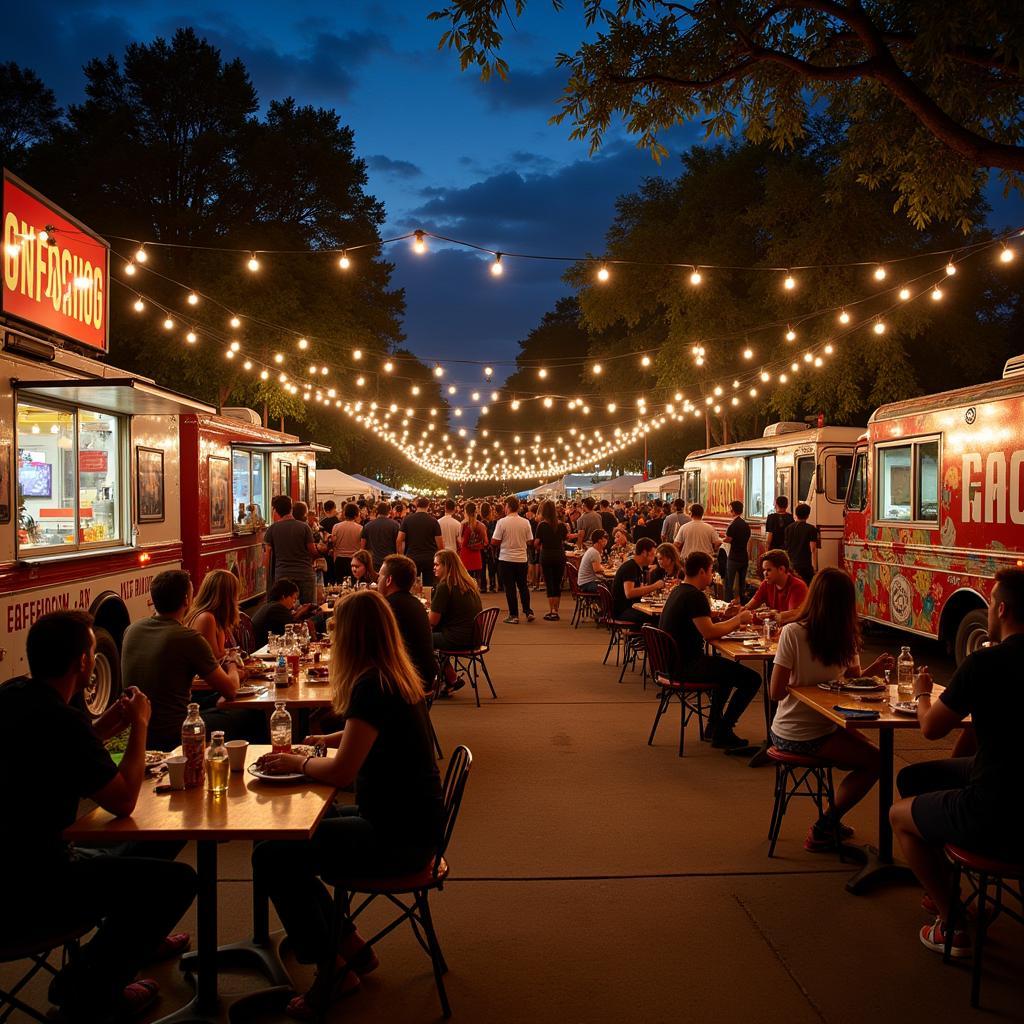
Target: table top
[250, 809]
[736, 651]
[303, 693]
[654, 610]
[823, 702]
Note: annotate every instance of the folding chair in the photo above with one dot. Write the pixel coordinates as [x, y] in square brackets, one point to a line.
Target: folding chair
[472, 659]
[663, 657]
[38, 952]
[418, 885]
[618, 629]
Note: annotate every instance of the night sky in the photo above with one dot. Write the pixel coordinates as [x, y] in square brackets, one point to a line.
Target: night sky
[444, 151]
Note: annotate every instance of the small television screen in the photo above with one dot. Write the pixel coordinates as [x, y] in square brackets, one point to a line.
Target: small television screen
[35, 479]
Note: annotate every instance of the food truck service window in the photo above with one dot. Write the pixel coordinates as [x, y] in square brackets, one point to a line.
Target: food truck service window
[70, 479]
[760, 485]
[248, 476]
[908, 481]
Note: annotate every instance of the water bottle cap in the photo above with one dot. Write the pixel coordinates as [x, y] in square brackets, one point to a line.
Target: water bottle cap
[192, 708]
[279, 705]
[218, 736]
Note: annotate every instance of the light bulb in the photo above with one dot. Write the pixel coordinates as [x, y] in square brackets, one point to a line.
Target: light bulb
[247, 365]
[140, 255]
[475, 396]
[548, 403]
[695, 277]
[235, 322]
[419, 244]
[753, 392]
[542, 373]
[229, 354]
[452, 389]
[193, 299]
[844, 317]
[611, 407]
[748, 353]
[344, 262]
[789, 283]
[415, 389]
[904, 294]
[808, 357]
[191, 337]
[494, 396]
[783, 378]
[312, 371]
[264, 374]
[35, 428]
[438, 371]
[389, 366]
[765, 376]
[603, 274]
[515, 404]
[168, 324]
[645, 361]
[950, 268]
[598, 368]
[791, 335]
[360, 381]
[879, 327]
[496, 267]
[1006, 256]
[936, 293]
[278, 357]
[818, 361]
[129, 268]
[879, 273]
[699, 360]
[829, 349]
[303, 344]
[139, 305]
[253, 264]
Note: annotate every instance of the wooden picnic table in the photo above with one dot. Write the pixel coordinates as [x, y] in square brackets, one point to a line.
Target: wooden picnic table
[250, 810]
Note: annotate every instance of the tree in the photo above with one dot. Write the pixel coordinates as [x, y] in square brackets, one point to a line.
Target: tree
[28, 112]
[926, 93]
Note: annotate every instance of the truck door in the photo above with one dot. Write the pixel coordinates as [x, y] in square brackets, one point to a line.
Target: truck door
[853, 556]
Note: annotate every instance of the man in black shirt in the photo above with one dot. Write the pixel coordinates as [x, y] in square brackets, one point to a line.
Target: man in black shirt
[973, 802]
[775, 525]
[52, 757]
[802, 544]
[629, 585]
[397, 575]
[608, 519]
[420, 539]
[687, 618]
[327, 524]
[278, 612]
[738, 535]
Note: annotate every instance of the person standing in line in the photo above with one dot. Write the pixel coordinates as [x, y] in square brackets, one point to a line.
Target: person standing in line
[451, 528]
[738, 534]
[653, 524]
[776, 523]
[420, 539]
[327, 525]
[379, 536]
[288, 548]
[489, 572]
[513, 537]
[550, 542]
[533, 570]
[345, 539]
[802, 544]
[696, 535]
[473, 545]
[589, 521]
[671, 523]
[608, 518]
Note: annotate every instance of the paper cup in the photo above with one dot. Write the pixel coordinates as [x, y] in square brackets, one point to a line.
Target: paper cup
[176, 772]
[236, 753]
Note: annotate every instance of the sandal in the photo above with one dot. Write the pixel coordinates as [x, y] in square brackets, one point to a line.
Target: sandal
[313, 1004]
[138, 997]
[172, 947]
[551, 617]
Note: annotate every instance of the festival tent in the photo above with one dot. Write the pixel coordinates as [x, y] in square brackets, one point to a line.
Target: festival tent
[660, 487]
[616, 487]
[339, 486]
[571, 485]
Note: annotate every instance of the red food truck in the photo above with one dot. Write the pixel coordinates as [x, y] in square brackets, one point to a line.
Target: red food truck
[936, 507]
[106, 478]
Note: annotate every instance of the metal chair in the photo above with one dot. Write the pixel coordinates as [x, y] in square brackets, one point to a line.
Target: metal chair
[981, 871]
[245, 634]
[418, 884]
[618, 629]
[432, 694]
[38, 952]
[472, 659]
[663, 657]
[586, 604]
[800, 775]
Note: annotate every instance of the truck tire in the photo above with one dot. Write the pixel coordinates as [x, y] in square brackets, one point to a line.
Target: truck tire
[970, 634]
[105, 686]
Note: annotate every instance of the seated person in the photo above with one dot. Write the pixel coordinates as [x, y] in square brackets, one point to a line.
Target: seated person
[670, 565]
[687, 618]
[628, 585]
[162, 656]
[973, 802]
[782, 590]
[51, 758]
[395, 582]
[454, 607]
[620, 541]
[822, 645]
[386, 749]
[361, 568]
[591, 570]
[214, 611]
[279, 611]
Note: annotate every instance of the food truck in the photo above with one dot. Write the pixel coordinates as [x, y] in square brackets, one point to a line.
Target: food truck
[107, 479]
[805, 464]
[936, 507]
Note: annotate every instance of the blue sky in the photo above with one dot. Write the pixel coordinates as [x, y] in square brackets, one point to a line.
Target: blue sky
[445, 151]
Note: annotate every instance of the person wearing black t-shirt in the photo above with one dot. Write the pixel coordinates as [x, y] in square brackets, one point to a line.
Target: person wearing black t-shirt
[629, 585]
[738, 535]
[420, 539]
[802, 544]
[687, 618]
[394, 583]
[972, 802]
[394, 827]
[776, 523]
[327, 524]
[278, 612]
[51, 757]
[608, 517]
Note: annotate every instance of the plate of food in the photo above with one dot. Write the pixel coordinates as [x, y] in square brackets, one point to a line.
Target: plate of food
[904, 707]
[865, 684]
[248, 691]
[258, 770]
[317, 672]
[741, 634]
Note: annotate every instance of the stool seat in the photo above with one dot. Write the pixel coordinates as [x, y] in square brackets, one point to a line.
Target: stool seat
[982, 862]
[798, 760]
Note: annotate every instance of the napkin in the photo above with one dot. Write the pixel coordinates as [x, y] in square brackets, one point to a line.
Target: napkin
[856, 714]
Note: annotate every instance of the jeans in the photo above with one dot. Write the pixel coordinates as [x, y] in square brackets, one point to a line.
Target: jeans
[727, 676]
[589, 588]
[514, 577]
[735, 574]
[344, 845]
[134, 899]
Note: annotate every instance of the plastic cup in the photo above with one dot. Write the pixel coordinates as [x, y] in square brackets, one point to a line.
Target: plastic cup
[236, 753]
[176, 772]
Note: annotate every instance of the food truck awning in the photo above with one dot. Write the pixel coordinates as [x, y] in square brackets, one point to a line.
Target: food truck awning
[124, 395]
[281, 446]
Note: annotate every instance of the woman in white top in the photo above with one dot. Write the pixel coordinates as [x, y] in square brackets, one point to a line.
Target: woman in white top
[822, 645]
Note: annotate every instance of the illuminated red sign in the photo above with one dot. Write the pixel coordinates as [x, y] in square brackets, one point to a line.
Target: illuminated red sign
[55, 270]
[90, 461]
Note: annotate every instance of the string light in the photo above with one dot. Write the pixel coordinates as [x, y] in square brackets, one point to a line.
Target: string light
[439, 371]
[696, 277]
[879, 327]
[904, 294]
[496, 267]
[278, 358]
[789, 283]
[129, 268]
[253, 264]
[748, 353]
[880, 273]
[193, 299]
[389, 366]
[343, 261]
[645, 361]
[542, 373]
[264, 374]
[303, 344]
[191, 337]
[168, 324]
[236, 323]
[603, 274]
[140, 254]
[139, 305]
[790, 335]
[598, 369]
[844, 317]
[234, 346]
[247, 365]
[950, 268]
[419, 244]
[936, 294]
[1006, 256]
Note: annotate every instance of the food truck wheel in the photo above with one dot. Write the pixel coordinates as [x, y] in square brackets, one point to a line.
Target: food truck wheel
[105, 686]
[971, 633]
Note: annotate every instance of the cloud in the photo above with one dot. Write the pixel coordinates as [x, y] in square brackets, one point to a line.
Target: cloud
[397, 168]
[524, 90]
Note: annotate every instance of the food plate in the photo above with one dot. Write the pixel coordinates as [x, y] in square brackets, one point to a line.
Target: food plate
[904, 707]
[265, 777]
[741, 634]
[865, 685]
[248, 691]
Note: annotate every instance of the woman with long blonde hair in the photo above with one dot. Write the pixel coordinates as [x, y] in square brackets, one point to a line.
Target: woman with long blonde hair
[386, 749]
[214, 611]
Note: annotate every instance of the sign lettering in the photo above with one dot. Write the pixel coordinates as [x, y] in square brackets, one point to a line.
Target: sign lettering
[992, 494]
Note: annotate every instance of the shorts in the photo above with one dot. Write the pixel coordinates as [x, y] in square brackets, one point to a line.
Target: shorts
[808, 748]
[954, 816]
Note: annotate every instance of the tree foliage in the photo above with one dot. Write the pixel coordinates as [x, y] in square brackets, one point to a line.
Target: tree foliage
[926, 94]
[28, 112]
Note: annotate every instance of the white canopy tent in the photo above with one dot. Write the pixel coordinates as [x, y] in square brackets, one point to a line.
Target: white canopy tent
[616, 486]
[660, 487]
[339, 486]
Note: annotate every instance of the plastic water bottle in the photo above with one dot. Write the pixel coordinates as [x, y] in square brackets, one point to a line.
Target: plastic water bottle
[905, 674]
[217, 765]
[280, 729]
[193, 747]
[281, 671]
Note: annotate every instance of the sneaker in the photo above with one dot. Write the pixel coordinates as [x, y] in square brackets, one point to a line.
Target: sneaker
[934, 937]
[511, 620]
[457, 684]
[820, 840]
[929, 906]
[726, 739]
[529, 616]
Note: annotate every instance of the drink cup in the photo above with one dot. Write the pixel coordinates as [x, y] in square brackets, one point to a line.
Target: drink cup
[176, 772]
[293, 664]
[237, 750]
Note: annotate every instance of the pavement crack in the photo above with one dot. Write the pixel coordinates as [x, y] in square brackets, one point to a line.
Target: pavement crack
[783, 963]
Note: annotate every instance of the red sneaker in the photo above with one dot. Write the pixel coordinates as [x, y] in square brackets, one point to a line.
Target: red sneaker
[934, 937]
